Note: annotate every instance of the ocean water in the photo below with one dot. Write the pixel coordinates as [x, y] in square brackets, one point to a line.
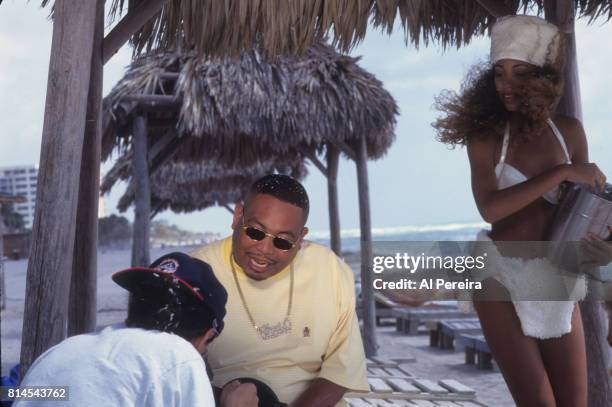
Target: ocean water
[447, 232]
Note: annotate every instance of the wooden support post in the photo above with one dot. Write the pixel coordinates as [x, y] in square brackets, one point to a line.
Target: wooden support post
[50, 265]
[142, 191]
[345, 148]
[333, 158]
[367, 291]
[82, 303]
[134, 20]
[562, 13]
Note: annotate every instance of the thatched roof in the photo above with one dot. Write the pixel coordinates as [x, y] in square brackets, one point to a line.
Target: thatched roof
[291, 26]
[186, 187]
[242, 109]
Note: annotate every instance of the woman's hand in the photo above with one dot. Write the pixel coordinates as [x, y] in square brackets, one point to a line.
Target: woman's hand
[596, 252]
[588, 173]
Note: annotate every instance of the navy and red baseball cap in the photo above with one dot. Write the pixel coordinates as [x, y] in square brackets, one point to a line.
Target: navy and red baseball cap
[194, 278]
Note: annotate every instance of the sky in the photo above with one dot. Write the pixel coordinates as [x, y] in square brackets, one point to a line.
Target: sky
[419, 182]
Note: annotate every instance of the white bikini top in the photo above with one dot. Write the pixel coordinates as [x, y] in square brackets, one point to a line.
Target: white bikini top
[508, 176]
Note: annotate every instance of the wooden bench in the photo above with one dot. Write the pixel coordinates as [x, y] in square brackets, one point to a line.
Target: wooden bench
[409, 320]
[410, 391]
[442, 333]
[389, 368]
[477, 351]
[383, 308]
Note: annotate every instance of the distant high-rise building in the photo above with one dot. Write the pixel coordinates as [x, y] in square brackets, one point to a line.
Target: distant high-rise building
[21, 181]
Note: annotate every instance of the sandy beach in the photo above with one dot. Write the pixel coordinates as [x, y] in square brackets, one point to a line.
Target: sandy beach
[430, 363]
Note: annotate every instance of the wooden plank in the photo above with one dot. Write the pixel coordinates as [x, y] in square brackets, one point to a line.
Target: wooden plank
[412, 396]
[405, 369]
[399, 403]
[83, 283]
[379, 386]
[423, 403]
[142, 190]
[382, 403]
[128, 26]
[429, 386]
[377, 371]
[456, 387]
[395, 372]
[403, 386]
[355, 402]
[383, 361]
[51, 257]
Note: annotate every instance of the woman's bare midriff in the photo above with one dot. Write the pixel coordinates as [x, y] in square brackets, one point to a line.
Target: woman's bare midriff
[528, 225]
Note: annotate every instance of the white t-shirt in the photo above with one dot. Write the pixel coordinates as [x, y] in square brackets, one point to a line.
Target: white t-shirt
[121, 366]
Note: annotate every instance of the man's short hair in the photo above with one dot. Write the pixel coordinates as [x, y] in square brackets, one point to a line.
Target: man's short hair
[284, 188]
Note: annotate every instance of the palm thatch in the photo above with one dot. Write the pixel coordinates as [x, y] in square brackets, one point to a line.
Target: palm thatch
[242, 109]
[187, 187]
[216, 27]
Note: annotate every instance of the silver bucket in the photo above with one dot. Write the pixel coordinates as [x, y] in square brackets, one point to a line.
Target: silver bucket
[582, 211]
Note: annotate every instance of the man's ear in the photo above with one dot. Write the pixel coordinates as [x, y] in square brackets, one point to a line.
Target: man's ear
[302, 235]
[201, 341]
[238, 211]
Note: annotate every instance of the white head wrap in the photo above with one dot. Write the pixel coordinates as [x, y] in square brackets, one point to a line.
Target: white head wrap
[524, 38]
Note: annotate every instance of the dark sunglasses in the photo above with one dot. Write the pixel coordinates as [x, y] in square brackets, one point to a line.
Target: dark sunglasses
[257, 234]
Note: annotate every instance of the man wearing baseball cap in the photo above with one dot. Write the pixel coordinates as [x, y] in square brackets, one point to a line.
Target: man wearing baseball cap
[176, 308]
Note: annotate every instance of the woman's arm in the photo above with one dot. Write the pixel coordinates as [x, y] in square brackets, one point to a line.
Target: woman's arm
[495, 204]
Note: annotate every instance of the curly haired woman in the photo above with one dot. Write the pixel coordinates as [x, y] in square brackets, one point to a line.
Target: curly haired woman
[520, 151]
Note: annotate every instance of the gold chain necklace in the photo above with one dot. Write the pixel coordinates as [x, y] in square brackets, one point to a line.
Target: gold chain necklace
[267, 331]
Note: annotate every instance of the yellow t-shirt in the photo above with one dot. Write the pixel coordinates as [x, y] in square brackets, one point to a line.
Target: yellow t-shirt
[324, 341]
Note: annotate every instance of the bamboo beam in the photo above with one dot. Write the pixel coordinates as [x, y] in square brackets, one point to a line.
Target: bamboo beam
[142, 190]
[82, 303]
[165, 155]
[315, 160]
[53, 234]
[154, 101]
[333, 158]
[498, 8]
[133, 21]
[160, 145]
[365, 224]
[229, 208]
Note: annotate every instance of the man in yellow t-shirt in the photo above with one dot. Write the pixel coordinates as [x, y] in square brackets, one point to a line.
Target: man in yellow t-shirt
[291, 319]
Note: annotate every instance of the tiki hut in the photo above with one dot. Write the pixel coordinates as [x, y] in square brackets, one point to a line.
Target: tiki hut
[61, 263]
[240, 110]
[237, 111]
